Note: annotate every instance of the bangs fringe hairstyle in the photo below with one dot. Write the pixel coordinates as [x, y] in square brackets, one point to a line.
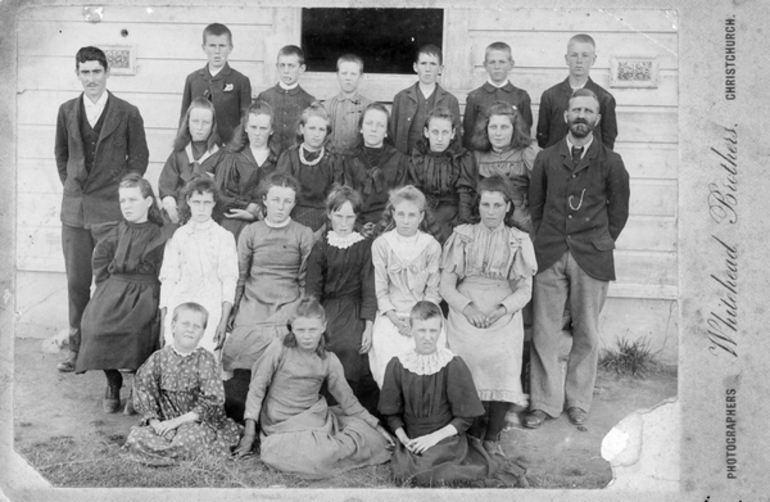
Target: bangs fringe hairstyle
[277, 179]
[133, 180]
[315, 109]
[440, 112]
[341, 194]
[424, 310]
[429, 50]
[200, 183]
[192, 307]
[183, 136]
[495, 183]
[241, 137]
[520, 138]
[307, 307]
[411, 194]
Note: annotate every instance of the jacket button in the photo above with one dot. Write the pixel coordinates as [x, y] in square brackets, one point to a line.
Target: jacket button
[569, 216]
[569, 237]
[574, 175]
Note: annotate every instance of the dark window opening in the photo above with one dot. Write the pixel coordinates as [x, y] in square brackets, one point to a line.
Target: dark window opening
[386, 39]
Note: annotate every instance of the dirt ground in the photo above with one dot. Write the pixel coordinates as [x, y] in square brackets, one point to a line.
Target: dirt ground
[49, 405]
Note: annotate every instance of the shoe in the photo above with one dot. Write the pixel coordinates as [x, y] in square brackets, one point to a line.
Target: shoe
[534, 419]
[493, 448]
[577, 416]
[68, 365]
[128, 409]
[111, 401]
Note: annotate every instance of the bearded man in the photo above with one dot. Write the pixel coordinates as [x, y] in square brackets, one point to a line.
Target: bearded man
[578, 196]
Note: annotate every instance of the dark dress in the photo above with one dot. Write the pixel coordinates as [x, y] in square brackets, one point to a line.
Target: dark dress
[424, 403]
[342, 278]
[121, 324]
[448, 179]
[373, 172]
[315, 183]
[238, 176]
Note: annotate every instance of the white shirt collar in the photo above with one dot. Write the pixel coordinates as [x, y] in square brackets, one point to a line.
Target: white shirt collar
[426, 364]
[287, 87]
[489, 81]
[426, 92]
[339, 242]
[215, 71]
[277, 225]
[585, 147]
[94, 110]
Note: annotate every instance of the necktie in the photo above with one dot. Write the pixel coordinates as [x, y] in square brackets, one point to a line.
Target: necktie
[577, 152]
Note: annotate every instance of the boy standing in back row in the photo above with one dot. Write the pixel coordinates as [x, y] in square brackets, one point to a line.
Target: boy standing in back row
[287, 98]
[345, 109]
[498, 62]
[551, 128]
[227, 89]
[412, 105]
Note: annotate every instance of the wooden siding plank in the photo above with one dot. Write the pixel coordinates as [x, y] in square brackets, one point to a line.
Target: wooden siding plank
[575, 20]
[225, 13]
[649, 233]
[64, 40]
[547, 49]
[152, 75]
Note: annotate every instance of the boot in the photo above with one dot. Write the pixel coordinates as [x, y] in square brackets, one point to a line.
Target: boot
[493, 448]
[68, 365]
[111, 401]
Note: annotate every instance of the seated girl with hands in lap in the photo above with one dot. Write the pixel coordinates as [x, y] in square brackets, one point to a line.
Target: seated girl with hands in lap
[300, 433]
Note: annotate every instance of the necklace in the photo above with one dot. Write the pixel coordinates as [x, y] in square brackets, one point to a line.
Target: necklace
[312, 162]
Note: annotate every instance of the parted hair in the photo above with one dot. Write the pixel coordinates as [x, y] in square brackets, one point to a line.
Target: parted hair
[520, 138]
[440, 112]
[91, 53]
[183, 136]
[411, 194]
[341, 194]
[292, 50]
[240, 138]
[371, 106]
[307, 307]
[191, 307]
[277, 179]
[501, 185]
[424, 310]
[132, 180]
[316, 109]
[430, 50]
[585, 93]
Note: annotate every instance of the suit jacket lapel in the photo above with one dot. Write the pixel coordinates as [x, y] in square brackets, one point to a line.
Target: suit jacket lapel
[591, 154]
[73, 126]
[111, 121]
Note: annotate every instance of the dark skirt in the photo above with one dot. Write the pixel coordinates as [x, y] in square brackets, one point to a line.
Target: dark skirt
[121, 324]
[456, 458]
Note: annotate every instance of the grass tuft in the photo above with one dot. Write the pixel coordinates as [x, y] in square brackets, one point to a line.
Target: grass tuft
[632, 359]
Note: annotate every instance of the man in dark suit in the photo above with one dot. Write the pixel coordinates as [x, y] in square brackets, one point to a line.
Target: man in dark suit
[99, 139]
[578, 198]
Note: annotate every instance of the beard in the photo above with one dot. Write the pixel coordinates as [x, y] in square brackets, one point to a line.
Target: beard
[580, 128]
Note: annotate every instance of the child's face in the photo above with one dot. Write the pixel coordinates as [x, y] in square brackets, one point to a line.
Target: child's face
[428, 68]
[258, 129]
[408, 217]
[580, 57]
[314, 132]
[133, 205]
[289, 69]
[374, 128]
[188, 329]
[493, 208]
[349, 75]
[425, 334]
[217, 49]
[500, 131]
[93, 77]
[308, 331]
[440, 133]
[279, 202]
[201, 206]
[343, 219]
[498, 64]
[200, 123]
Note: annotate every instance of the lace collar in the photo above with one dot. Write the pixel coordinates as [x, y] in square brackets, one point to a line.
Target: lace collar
[426, 364]
[334, 239]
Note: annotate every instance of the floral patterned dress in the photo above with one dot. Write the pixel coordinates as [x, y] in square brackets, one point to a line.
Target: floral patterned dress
[169, 385]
